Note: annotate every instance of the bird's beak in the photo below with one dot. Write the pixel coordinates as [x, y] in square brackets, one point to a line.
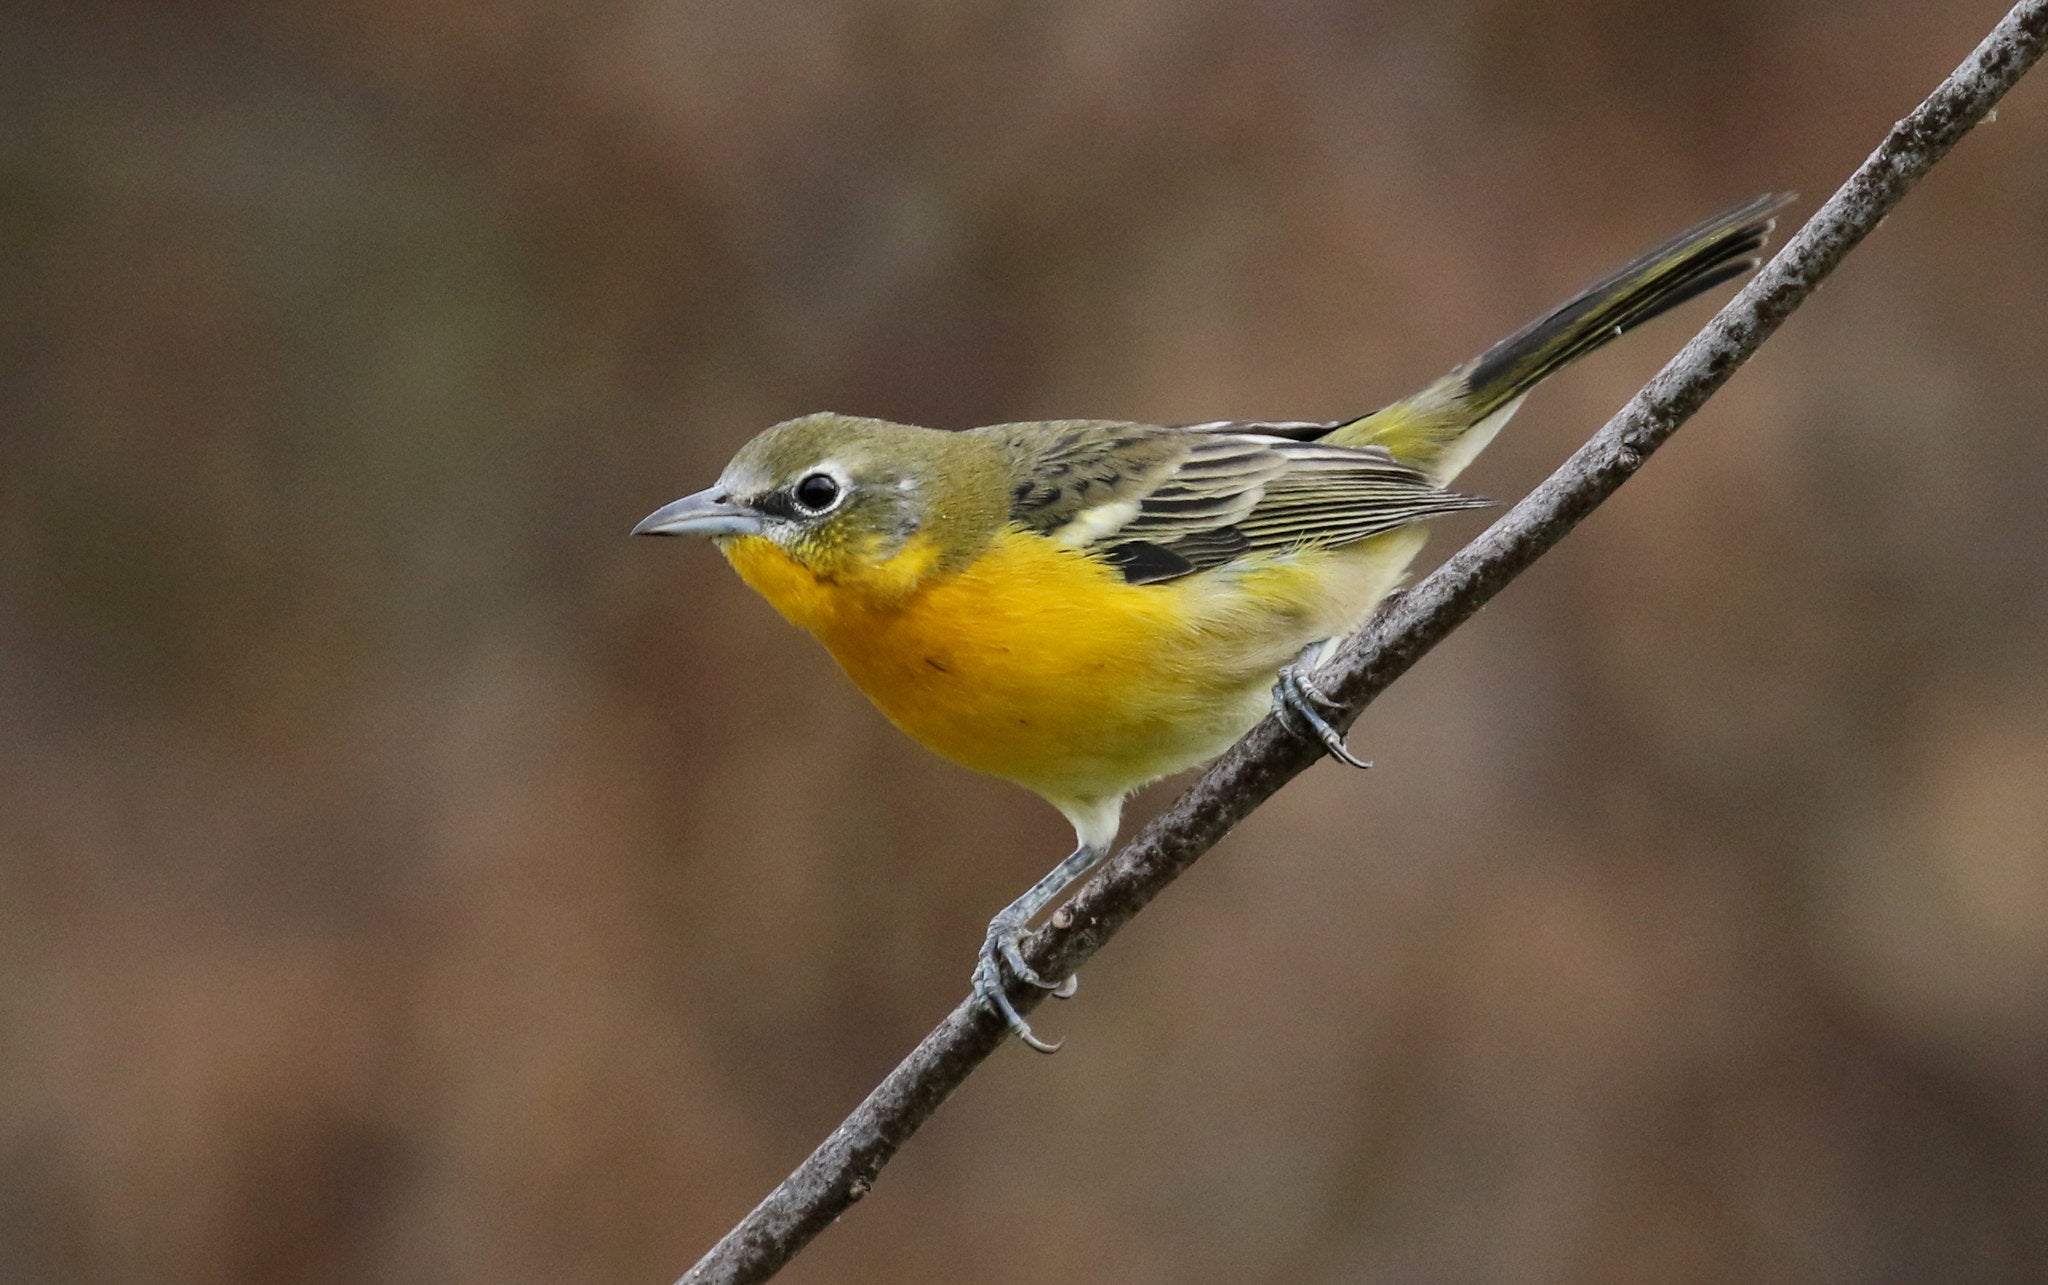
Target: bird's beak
[710, 512]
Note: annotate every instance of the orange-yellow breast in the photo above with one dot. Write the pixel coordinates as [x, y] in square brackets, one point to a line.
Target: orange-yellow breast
[1042, 665]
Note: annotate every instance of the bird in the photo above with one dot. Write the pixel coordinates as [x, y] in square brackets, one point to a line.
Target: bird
[1084, 606]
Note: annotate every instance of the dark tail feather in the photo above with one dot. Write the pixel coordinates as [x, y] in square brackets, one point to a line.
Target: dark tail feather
[1694, 261]
[1441, 428]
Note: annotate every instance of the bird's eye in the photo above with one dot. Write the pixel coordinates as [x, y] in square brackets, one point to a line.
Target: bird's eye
[817, 493]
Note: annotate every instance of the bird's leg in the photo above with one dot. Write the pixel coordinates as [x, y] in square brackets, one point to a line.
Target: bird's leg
[1296, 700]
[1001, 950]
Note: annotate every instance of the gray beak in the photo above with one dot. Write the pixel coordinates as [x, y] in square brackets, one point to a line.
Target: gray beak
[709, 512]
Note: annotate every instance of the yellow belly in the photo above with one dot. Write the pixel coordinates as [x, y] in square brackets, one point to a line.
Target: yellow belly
[1041, 665]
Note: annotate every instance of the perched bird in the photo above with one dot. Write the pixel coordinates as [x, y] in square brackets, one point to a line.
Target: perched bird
[1084, 606]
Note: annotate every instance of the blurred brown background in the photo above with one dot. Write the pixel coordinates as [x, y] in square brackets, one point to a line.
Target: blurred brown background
[406, 877]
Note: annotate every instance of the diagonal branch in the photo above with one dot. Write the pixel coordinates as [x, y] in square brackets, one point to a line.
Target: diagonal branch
[844, 1166]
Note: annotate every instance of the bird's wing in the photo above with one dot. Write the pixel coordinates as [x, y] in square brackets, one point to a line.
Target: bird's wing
[1159, 503]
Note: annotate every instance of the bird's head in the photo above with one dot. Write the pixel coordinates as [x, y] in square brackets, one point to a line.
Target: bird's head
[848, 499]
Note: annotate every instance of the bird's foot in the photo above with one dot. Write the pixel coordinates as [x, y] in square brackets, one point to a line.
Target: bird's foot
[1300, 705]
[1001, 954]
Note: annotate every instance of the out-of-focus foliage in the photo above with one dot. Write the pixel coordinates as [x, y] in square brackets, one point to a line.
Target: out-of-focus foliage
[406, 877]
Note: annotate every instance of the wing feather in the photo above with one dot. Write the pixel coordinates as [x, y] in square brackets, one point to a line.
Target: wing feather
[1160, 503]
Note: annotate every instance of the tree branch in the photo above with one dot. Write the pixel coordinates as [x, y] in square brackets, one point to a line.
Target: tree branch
[844, 1166]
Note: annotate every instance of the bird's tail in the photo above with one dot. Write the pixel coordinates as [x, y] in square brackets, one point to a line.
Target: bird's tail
[1440, 429]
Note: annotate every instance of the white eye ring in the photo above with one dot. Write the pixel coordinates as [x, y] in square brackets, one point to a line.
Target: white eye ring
[819, 492]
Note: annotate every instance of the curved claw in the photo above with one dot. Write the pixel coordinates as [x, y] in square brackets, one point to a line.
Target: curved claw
[1296, 698]
[989, 990]
[1066, 989]
[1035, 1044]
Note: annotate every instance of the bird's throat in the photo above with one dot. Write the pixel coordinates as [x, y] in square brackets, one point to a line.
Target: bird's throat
[820, 600]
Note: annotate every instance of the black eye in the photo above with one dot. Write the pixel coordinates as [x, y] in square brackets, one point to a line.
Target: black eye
[817, 493]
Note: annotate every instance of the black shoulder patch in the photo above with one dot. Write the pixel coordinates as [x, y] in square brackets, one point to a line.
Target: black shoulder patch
[1143, 562]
